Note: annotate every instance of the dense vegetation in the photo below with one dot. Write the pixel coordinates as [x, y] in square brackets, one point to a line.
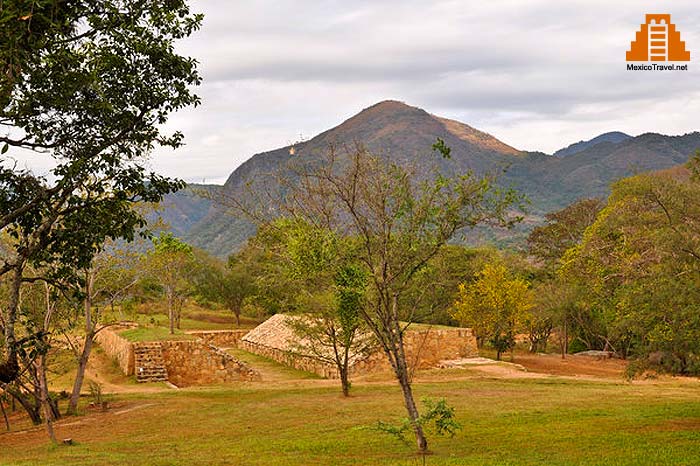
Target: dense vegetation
[357, 246]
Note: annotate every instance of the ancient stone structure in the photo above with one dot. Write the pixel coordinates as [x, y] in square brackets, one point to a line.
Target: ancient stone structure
[183, 363]
[425, 347]
[220, 338]
[117, 347]
[202, 361]
[194, 362]
[149, 365]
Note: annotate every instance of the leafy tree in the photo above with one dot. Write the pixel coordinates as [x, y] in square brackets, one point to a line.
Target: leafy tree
[331, 295]
[400, 222]
[434, 289]
[89, 84]
[639, 265]
[228, 285]
[169, 263]
[494, 306]
[563, 230]
[264, 259]
[112, 273]
[316, 280]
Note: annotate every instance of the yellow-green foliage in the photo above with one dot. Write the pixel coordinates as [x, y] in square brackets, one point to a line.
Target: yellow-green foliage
[496, 302]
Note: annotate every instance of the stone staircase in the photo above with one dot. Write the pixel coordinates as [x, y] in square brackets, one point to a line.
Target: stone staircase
[149, 365]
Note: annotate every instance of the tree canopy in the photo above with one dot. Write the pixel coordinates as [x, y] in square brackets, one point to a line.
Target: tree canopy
[90, 85]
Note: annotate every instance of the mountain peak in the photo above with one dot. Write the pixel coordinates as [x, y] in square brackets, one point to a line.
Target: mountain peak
[389, 121]
[389, 105]
[614, 137]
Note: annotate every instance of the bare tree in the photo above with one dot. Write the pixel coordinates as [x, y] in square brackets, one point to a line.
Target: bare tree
[400, 219]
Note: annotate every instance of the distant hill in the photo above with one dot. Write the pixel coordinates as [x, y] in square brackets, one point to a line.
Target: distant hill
[613, 137]
[405, 134]
[184, 209]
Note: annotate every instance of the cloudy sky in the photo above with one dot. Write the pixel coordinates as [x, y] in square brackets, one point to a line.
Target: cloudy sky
[538, 75]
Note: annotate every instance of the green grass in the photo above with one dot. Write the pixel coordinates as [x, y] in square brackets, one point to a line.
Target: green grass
[154, 334]
[420, 326]
[506, 422]
[194, 317]
[271, 369]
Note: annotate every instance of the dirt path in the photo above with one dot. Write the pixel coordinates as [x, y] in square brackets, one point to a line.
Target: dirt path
[574, 366]
[102, 370]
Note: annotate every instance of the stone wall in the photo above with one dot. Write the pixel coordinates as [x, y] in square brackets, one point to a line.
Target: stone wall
[220, 338]
[117, 347]
[288, 358]
[194, 362]
[187, 362]
[424, 349]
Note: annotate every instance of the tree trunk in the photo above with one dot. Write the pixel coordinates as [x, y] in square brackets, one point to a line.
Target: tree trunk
[413, 415]
[171, 315]
[80, 375]
[87, 349]
[344, 381]
[32, 410]
[403, 377]
[44, 394]
[4, 414]
[565, 341]
[10, 368]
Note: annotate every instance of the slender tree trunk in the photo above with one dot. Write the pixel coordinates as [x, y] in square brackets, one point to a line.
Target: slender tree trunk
[10, 368]
[32, 410]
[87, 349]
[44, 397]
[565, 342]
[4, 413]
[178, 312]
[343, 369]
[403, 377]
[413, 415]
[344, 381]
[80, 375]
[171, 315]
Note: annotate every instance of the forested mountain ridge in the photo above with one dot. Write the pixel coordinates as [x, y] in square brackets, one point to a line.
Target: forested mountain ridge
[405, 134]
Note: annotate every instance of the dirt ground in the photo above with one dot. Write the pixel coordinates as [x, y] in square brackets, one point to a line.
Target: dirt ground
[572, 365]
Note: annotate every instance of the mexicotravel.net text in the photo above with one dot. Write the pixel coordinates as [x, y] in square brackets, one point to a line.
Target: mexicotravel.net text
[656, 67]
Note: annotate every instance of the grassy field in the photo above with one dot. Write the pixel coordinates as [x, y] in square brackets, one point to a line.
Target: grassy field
[523, 421]
[510, 417]
[194, 317]
[150, 333]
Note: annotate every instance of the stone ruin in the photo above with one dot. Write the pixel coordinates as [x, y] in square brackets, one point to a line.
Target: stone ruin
[425, 348]
[180, 362]
[203, 361]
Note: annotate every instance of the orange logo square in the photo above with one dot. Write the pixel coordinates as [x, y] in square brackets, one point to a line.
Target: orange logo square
[658, 40]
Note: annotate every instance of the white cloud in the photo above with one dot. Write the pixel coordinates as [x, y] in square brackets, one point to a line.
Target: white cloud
[539, 74]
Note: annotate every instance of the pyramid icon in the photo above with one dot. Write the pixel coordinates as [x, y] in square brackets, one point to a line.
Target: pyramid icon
[658, 40]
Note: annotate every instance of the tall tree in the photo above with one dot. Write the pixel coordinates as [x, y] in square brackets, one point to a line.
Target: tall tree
[330, 295]
[170, 262]
[494, 306]
[89, 84]
[563, 229]
[639, 266]
[227, 285]
[400, 221]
